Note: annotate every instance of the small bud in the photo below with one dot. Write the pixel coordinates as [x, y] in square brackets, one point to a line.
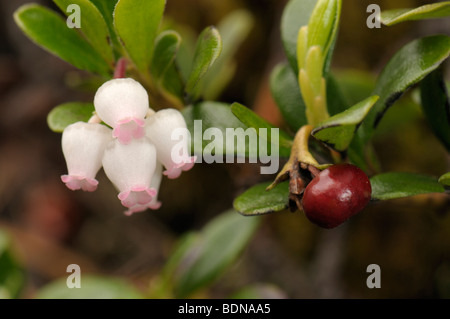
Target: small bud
[83, 145]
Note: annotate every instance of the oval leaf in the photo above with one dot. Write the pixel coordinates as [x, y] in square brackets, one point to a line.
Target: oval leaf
[106, 8]
[92, 287]
[166, 47]
[258, 201]
[214, 115]
[286, 93]
[408, 66]
[233, 29]
[215, 248]
[68, 113]
[338, 131]
[93, 26]
[208, 49]
[181, 248]
[445, 179]
[259, 291]
[295, 15]
[185, 55]
[336, 101]
[436, 105]
[172, 87]
[252, 120]
[323, 24]
[50, 31]
[398, 185]
[429, 11]
[355, 85]
[136, 23]
[12, 276]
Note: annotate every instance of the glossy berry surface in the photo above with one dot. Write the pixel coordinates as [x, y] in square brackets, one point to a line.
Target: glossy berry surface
[336, 194]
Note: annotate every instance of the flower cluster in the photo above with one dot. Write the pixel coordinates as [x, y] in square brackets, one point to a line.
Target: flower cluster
[133, 150]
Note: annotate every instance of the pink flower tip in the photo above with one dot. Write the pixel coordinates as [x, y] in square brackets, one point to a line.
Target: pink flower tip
[185, 165]
[74, 183]
[154, 205]
[138, 195]
[129, 128]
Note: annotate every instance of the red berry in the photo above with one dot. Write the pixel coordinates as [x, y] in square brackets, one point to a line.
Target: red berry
[336, 194]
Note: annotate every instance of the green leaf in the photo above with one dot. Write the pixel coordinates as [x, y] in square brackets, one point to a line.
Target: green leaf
[166, 47]
[429, 11]
[349, 88]
[171, 85]
[357, 153]
[184, 243]
[252, 120]
[445, 179]
[106, 8]
[185, 55]
[215, 116]
[404, 112]
[355, 85]
[397, 185]
[48, 30]
[258, 201]
[436, 105]
[217, 246]
[137, 23]
[408, 66]
[332, 46]
[93, 26]
[68, 113]
[12, 277]
[313, 44]
[4, 242]
[336, 101]
[216, 131]
[295, 15]
[338, 131]
[259, 291]
[162, 286]
[286, 93]
[233, 29]
[92, 287]
[323, 24]
[208, 49]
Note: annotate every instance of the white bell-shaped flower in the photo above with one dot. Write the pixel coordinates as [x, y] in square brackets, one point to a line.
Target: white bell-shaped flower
[123, 105]
[83, 145]
[168, 131]
[131, 167]
[154, 204]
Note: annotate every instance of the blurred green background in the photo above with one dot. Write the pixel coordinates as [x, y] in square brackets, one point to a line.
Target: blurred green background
[51, 227]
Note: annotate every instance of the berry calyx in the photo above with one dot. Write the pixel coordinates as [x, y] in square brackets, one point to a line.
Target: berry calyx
[336, 194]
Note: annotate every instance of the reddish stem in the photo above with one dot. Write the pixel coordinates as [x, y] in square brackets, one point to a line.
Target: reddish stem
[314, 171]
[121, 68]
